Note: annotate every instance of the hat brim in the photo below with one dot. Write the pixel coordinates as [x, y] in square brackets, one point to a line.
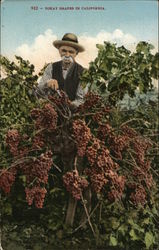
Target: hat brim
[59, 43]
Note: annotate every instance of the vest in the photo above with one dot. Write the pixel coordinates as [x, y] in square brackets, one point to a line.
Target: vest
[71, 83]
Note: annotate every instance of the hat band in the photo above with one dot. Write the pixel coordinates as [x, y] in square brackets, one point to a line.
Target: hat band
[69, 40]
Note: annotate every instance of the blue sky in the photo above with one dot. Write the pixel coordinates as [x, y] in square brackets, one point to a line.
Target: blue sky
[20, 24]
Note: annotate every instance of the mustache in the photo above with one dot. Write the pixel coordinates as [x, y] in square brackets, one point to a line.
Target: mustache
[68, 59]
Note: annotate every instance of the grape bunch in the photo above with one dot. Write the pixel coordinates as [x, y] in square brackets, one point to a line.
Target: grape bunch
[13, 140]
[143, 176]
[35, 113]
[101, 164]
[36, 194]
[128, 131]
[91, 100]
[101, 114]
[97, 179]
[117, 185]
[104, 130]
[45, 118]
[142, 171]
[138, 196]
[118, 143]
[82, 135]
[23, 151]
[92, 151]
[74, 183]
[60, 99]
[7, 178]
[38, 168]
[141, 146]
[104, 161]
[38, 141]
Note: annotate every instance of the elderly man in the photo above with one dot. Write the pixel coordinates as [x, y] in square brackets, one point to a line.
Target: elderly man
[65, 74]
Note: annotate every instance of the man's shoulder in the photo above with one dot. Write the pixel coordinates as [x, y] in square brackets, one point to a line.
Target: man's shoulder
[79, 66]
[56, 63]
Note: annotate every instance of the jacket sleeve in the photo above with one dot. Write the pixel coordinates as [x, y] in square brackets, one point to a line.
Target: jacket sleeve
[81, 92]
[46, 76]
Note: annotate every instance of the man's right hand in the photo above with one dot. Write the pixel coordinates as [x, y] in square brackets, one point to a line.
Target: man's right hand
[53, 84]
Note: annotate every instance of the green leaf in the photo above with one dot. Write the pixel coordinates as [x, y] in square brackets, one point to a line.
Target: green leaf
[144, 47]
[54, 190]
[135, 226]
[133, 235]
[8, 209]
[146, 221]
[113, 241]
[141, 87]
[8, 81]
[115, 224]
[149, 239]
[100, 46]
[23, 178]
[123, 229]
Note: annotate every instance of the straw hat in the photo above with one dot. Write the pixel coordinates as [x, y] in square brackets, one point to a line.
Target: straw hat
[69, 39]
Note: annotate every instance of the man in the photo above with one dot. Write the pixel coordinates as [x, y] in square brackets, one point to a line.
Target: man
[65, 74]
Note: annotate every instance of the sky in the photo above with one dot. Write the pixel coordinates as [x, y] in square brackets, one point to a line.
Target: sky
[28, 28]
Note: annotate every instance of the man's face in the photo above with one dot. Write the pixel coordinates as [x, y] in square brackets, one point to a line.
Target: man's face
[67, 51]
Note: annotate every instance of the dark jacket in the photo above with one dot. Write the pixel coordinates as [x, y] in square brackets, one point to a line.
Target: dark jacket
[71, 83]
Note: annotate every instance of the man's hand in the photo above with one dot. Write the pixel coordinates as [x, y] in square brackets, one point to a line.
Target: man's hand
[53, 84]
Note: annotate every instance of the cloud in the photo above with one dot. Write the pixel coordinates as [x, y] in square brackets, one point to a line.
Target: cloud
[41, 51]
[90, 43]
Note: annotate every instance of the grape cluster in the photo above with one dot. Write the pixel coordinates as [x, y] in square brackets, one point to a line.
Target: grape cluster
[55, 99]
[74, 183]
[104, 130]
[140, 146]
[82, 135]
[97, 179]
[149, 180]
[45, 118]
[38, 141]
[103, 170]
[12, 141]
[118, 143]
[138, 196]
[104, 161]
[142, 171]
[92, 151]
[23, 151]
[36, 194]
[38, 169]
[35, 113]
[61, 99]
[128, 131]
[97, 117]
[117, 185]
[91, 100]
[7, 178]
[143, 176]
[101, 114]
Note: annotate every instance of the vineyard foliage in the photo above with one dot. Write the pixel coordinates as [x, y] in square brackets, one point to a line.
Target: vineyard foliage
[53, 154]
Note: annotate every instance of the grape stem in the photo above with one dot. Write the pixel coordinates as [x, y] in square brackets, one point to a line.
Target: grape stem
[88, 217]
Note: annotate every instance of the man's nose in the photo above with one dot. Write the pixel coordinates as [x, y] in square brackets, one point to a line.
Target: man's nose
[67, 53]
